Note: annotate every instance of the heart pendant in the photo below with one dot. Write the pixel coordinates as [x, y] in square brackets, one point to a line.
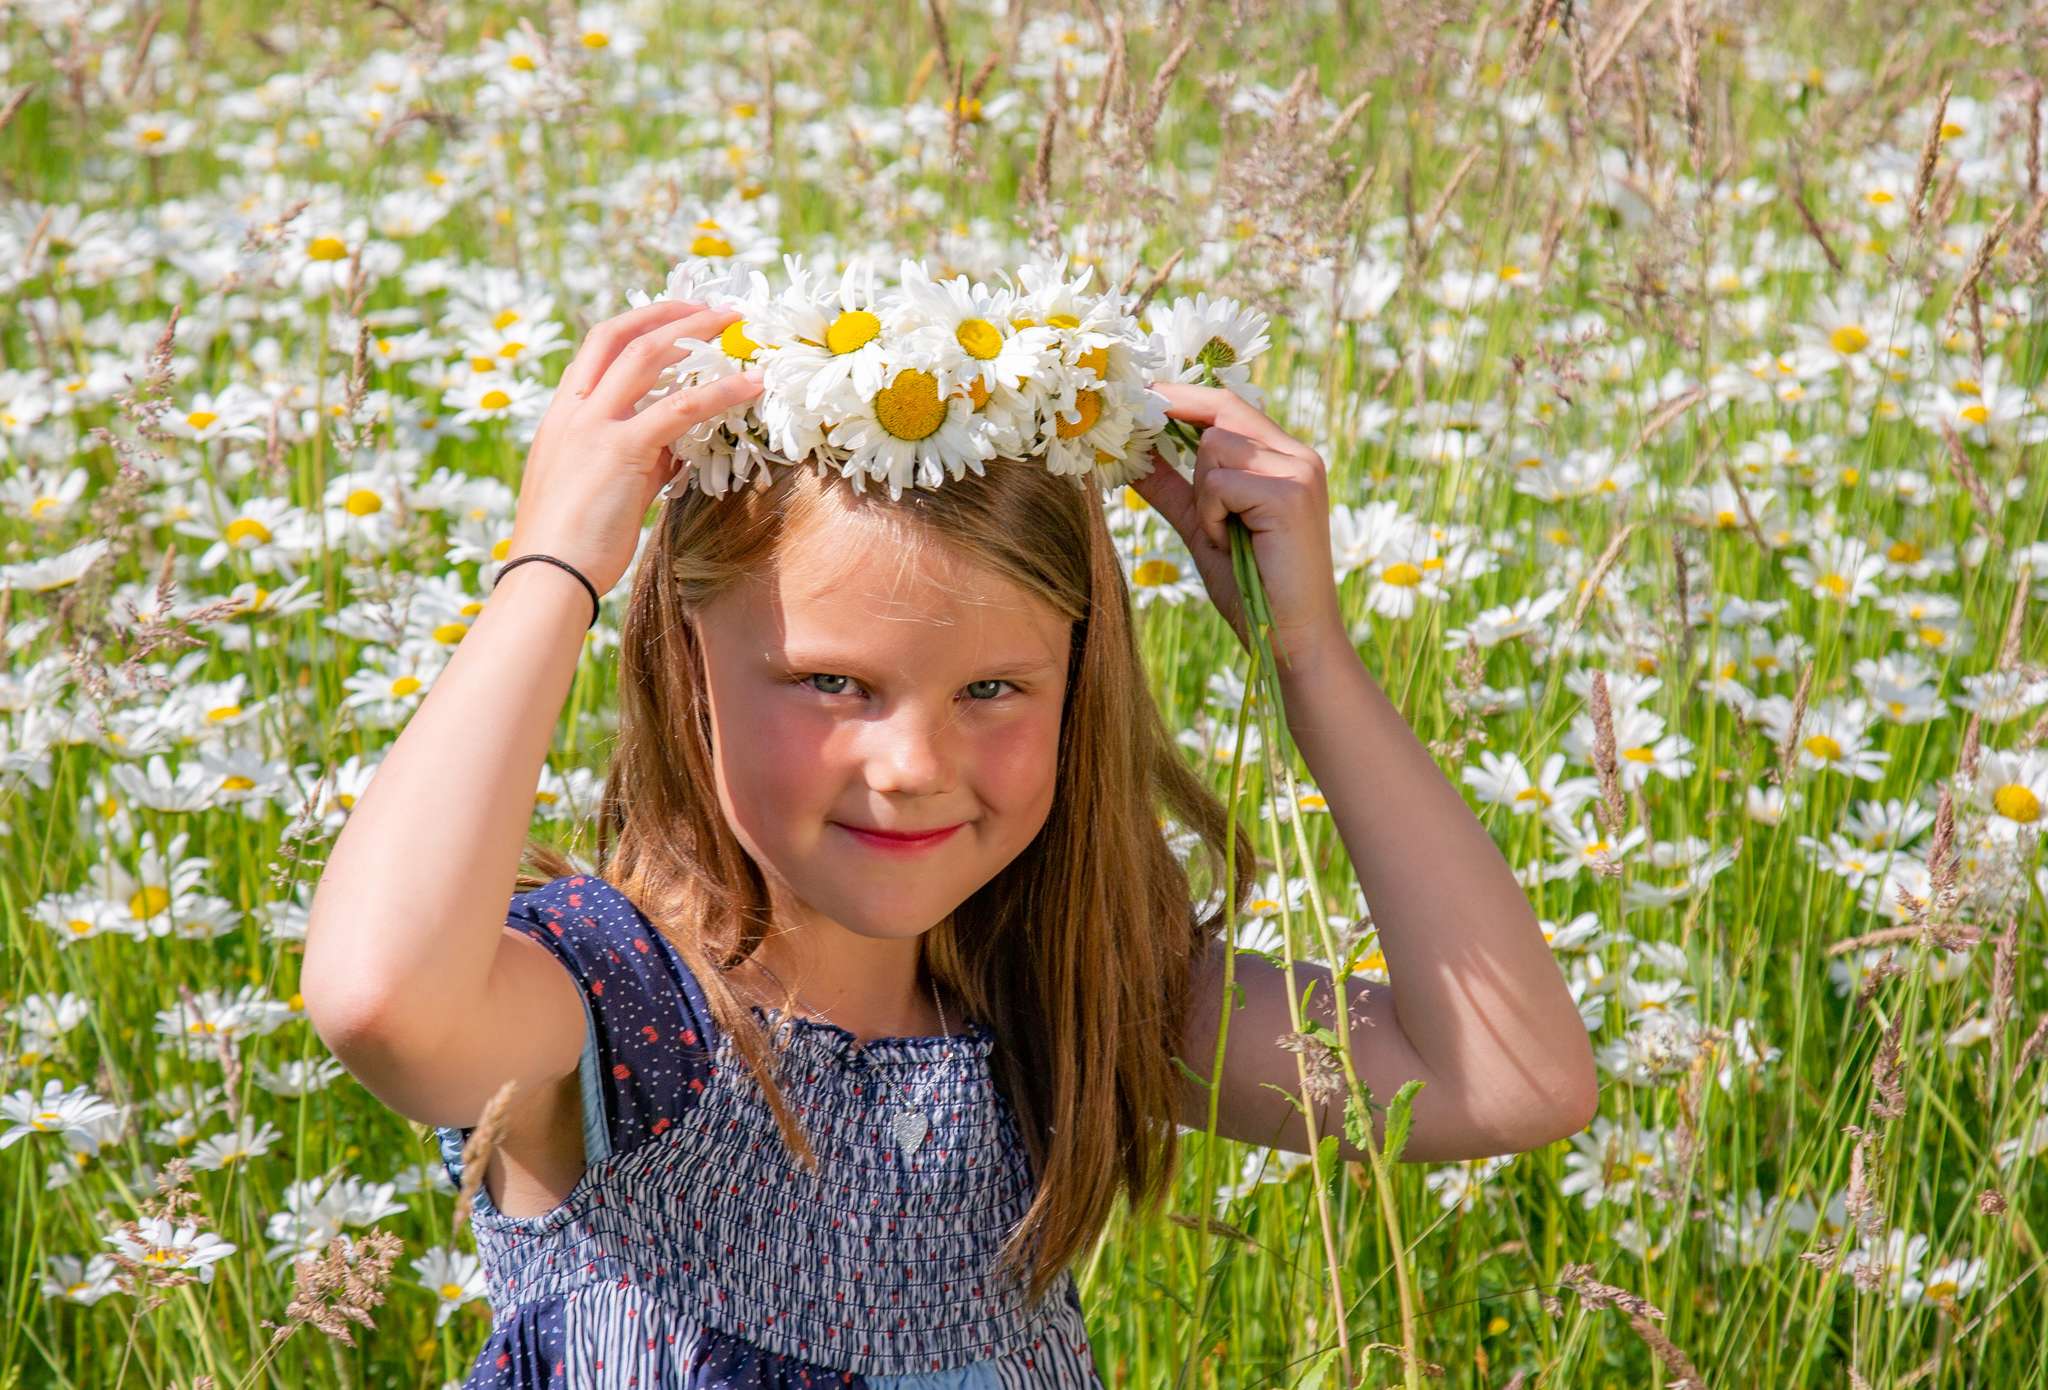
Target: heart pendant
[909, 1127]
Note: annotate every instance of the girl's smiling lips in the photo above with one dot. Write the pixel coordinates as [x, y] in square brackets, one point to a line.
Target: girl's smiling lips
[898, 840]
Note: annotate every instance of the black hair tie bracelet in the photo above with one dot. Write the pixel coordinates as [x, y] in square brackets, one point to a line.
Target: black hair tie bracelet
[510, 565]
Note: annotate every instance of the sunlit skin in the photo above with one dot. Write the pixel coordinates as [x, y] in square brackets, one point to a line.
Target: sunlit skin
[855, 685]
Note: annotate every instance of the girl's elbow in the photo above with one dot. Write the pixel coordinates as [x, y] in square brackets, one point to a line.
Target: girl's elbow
[1575, 1101]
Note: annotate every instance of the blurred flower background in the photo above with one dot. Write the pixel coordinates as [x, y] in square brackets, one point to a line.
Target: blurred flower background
[1679, 368]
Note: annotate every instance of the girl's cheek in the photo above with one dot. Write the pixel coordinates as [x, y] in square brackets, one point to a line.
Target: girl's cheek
[1020, 763]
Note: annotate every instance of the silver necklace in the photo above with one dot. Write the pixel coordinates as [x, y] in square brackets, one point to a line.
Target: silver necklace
[907, 1120]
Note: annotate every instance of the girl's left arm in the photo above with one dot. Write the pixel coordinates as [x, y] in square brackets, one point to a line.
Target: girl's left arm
[1476, 1008]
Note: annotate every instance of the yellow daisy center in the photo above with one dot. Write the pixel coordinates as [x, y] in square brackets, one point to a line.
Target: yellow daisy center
[1090, 405]
[1848, 338]
[1153, 573]
[405, 685]
[2016, 802]
[1976, 413]
[594, 39]
[327, 248]
[736, 343]
[1640, 754]
[979, 338]
[363, 502]
[1096, 360]
[710, 244]
[909, 407]
[494, 400]
[149, 899]
[1402, 575]
[851, 331]
[200, 419]
[1823, 747]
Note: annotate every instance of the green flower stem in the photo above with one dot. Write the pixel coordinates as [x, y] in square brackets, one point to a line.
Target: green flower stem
[1262, 677]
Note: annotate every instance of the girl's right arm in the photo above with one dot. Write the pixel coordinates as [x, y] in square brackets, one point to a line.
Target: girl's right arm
[411, 976]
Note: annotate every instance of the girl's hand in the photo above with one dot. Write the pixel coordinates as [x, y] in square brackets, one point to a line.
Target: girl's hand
[1248, 465]
[595, 466]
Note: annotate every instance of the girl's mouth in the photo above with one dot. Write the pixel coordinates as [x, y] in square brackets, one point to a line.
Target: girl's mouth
[898, 840]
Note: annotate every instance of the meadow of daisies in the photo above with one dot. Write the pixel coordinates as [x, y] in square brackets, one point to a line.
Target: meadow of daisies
[1679, 368]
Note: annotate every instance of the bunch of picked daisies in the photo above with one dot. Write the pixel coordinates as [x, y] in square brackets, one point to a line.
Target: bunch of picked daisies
[911, 383]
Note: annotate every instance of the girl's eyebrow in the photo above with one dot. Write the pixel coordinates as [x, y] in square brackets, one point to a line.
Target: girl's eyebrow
[846, 663]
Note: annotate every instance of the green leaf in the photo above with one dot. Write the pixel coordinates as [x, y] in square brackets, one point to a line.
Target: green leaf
[1321, 1032]
[1191, 1074]
[1357, 1124]
[1315, 1372]
[1329, 1153]
[1399, 1116]
[1292, 1099]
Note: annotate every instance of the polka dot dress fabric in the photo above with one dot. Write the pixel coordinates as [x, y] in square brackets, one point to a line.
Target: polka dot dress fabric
[695, 1253]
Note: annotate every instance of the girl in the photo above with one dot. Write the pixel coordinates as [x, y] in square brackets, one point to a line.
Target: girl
[890, 985]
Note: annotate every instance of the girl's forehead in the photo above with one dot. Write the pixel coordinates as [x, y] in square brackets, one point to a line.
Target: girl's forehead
[853, 578]
[842, 552]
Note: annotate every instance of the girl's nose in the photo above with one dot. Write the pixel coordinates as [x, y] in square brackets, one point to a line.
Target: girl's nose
[909, 753]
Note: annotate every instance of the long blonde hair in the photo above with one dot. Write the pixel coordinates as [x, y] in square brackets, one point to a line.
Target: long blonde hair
[1078, 953]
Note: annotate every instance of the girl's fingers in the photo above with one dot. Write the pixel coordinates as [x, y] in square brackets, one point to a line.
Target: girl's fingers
[1172, 495]
[1213, 405]
[667, 419]
[1225, 490]
[603, 342]
[637, 368]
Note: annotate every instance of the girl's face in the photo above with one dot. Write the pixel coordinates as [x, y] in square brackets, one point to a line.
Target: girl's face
[856, 688]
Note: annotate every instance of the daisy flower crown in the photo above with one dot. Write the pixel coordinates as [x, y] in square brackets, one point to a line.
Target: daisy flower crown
[908, 384]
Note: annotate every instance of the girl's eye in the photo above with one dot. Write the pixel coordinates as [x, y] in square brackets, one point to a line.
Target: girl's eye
[817, 682]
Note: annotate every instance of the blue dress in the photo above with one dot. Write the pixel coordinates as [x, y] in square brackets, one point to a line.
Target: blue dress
[695, 1253]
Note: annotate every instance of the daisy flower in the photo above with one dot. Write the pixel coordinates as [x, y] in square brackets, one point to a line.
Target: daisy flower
[58, 1110]
[1167, 575]
[602, 31]
[231, 413]
[1606, 1161]
[246, 1140]
[1841, 568]
[1220, 336]
[822, 344]
[2002, 696]
[456, 1277]
[2013, 785]
[1833, 736]
[908, 434]
[1587, 846]
[155, 133]
[1891, 1268]
[1503, 780]
[1944, 1284]
[495, 396]
[991, 350]
[268, 534]
[42, 495]
[156, 1243]
[81, 1281]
